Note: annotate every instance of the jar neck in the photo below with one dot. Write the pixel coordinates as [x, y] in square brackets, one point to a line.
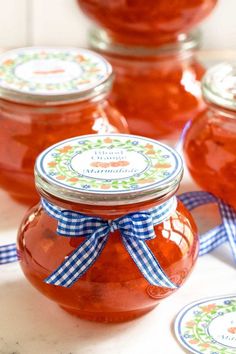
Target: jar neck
[182, 48]
[28, 113]
[107, 212]
[221, 111]
[149, 64]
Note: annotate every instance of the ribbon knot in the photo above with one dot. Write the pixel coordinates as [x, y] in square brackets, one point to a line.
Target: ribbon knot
[135, 229]
[112, 225]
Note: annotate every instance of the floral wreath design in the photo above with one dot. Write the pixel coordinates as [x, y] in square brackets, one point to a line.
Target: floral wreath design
[159, 165]
[92, 72]
[195, 333]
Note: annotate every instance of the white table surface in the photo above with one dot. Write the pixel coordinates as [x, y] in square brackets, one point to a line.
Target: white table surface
[32, 324]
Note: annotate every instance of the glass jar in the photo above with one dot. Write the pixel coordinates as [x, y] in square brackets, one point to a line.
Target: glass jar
[109, 212]
[146, 22]
[47, 95]
[157, 89]
[210, 141]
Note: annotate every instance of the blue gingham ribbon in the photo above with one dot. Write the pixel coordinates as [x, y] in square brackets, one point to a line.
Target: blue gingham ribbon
[135, 229]
[8, 253]
[226, 231]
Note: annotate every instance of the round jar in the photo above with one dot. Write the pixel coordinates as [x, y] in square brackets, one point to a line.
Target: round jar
[47, 95]
[109, 214]
[210, 141]
[157, 89]
[147, 22]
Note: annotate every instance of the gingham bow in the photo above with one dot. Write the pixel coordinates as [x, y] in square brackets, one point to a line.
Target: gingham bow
[208, 241]
[135, 229]
[219, 234]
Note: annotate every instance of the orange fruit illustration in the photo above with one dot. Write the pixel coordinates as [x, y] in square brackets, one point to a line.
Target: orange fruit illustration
[163, 165]
[52, 164]
[105, 186]
[60, 177]
[232, 330]
[65, 149]
[73, 179]
[107, 140]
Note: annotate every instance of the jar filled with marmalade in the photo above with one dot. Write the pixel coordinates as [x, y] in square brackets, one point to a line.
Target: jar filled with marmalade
[147, 22]
[210, 141]
[156, 88]
[46, 95]
[109, 240]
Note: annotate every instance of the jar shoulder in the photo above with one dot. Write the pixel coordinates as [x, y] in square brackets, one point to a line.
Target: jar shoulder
[212, 124]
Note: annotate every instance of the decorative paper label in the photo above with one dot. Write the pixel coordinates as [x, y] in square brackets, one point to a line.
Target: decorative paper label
[109, 163]
[46, 72]
[208, 326]
[50, 71]
[223, 329]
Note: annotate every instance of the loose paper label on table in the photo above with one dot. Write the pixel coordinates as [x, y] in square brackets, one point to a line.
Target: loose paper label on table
[208, 326]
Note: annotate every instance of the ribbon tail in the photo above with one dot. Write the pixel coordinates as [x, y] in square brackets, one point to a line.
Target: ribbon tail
[212, 239]
[78, 262]
[147, 263]
[229, 220]
[232, 242]
[193, 200]
[8, 254]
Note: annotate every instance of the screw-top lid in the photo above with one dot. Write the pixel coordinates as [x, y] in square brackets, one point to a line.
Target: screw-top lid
[219, 85]
[108, 169]
[53, 75]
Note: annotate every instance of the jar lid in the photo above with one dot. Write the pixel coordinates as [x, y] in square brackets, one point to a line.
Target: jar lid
[46, 75]
[108, 169]
[100, 40]
[219, 85]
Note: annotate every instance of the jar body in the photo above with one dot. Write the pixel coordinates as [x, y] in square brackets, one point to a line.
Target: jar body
[146, 22]
[210, 152]
[157, 95]
[112, 289]
[27, 130]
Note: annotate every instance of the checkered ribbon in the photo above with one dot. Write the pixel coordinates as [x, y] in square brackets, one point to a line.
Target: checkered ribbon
[8, 254]
[219, 234]
[94, 242]
[135, 229]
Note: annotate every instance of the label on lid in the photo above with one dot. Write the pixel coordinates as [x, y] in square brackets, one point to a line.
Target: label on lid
[114, 163]
[219, 85]
[52, 71]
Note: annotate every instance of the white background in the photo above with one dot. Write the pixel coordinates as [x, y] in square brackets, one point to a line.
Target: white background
[60, 22]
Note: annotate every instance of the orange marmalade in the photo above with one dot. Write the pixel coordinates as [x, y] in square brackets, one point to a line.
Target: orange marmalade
[147, 22]
[107, 177]
[210, 141]
[156, 88]
[46, 95]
